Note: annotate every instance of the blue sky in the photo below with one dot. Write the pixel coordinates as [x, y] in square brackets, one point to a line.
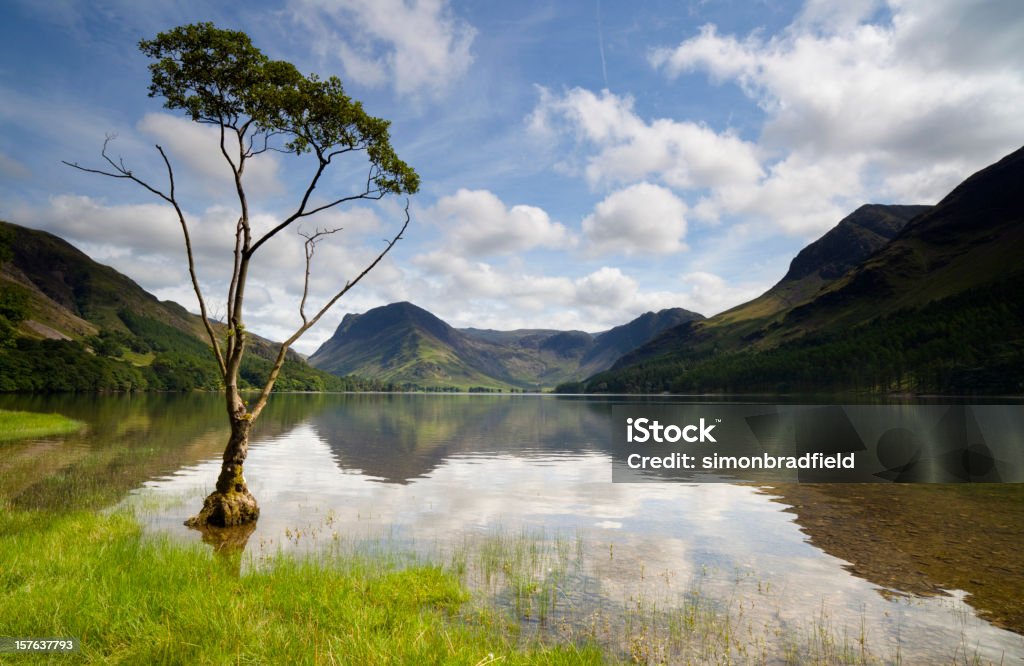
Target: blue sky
[582, 162]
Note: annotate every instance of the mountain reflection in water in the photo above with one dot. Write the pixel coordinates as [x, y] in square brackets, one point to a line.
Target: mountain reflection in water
[432, 473]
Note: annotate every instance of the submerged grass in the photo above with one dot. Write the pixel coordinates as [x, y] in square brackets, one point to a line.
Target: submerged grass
[21, 425]
[551, 589]
[135, 599]
[508, 598]
[503, 597]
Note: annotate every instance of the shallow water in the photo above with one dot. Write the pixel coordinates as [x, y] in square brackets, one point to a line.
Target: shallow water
[833, 573]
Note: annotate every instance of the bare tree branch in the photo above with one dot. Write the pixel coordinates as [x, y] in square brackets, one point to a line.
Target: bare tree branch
[298, 211]
[307, 324]
[192, 265]
[368, 194]
[310, 246]
[123, 172]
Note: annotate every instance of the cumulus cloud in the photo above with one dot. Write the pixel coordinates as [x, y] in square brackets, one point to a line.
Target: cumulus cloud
[142, 228]
[143, 241]
[913, 99]
[710, 294]
[198, 147]
[465, 292]
[800, 195]
[640, 219]
[862, 101]
[605, 286]
[420, 46]
[479, 223]
[627, 148]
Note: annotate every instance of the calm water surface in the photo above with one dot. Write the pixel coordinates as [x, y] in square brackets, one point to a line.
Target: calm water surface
[919, 574]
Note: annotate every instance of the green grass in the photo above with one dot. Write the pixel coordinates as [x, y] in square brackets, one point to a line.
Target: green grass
[21, 425]
[135, 599]
[132, 598]
[137, 359]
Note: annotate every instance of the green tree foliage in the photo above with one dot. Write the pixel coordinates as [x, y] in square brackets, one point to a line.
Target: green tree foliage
[53, 366]
[219, 78]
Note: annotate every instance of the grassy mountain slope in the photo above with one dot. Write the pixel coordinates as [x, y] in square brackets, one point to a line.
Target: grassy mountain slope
[80, 325]
[946, 274]
[973, 237]
[404, 344]
[401, 344]
[75, 296]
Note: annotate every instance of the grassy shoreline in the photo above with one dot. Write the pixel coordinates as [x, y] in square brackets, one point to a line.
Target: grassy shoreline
[22, 425]
[130, 598]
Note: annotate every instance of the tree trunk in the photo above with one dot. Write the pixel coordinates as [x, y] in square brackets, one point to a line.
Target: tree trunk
[231, 503]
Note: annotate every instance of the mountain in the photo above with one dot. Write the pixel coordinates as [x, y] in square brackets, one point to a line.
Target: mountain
[401, 343]
[934, 306]
[613, 344]
[851, 241]
[854, 239]
[404, 344]
[71, 296]
[70, 323]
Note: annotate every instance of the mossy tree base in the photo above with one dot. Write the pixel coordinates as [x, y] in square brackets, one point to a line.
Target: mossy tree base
[226, 510]
[231, 504]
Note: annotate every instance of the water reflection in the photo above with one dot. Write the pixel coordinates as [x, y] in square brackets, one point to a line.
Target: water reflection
[128, 439]
[399, 438]
[440, 475]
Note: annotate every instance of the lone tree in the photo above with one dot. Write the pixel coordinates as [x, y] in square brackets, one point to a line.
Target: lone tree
[218, 78]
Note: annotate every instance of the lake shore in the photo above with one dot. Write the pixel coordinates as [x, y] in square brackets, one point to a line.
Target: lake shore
[131, 598]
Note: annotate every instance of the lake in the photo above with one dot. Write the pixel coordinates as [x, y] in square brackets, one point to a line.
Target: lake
[516, 493]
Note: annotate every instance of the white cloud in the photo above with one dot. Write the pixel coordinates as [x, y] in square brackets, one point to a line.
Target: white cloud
[914, 102]
[420, 45]
[800, 195]
[485, 295]
[710, 294]
[862, 101]
[640, 219]
[479, 223]
[606, 286]
[143, 241]
[680, 154]
[142, 228]
[464, 279]
[198, 147]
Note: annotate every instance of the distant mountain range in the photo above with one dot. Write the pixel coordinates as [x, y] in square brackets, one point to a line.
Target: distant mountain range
[894, 298]
[405, 345]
